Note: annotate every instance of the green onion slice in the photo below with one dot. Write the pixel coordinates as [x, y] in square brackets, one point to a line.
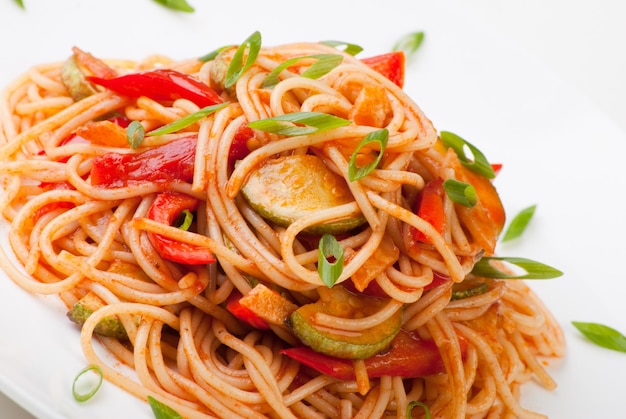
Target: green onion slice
[410, 406]
[211, 55]
[409, 43]
[532, 269]
[479, 165]
[20, 3]
[78, 382]
[299, 123]
[135, 133]
[329, 271]
[237, 66]
[185, 218]
[381, 137]
[460, 192]
[348, 48]
[324, 64]
[602, 335]
[187, 120]
[519, 223]
[161, 410]
[179, 5]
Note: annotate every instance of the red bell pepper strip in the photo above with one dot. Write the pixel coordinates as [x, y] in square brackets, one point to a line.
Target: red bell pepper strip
[161, 85]
[239, 146]
[165, 209]
[390, 65]
[408, 357]
[163, 164]
[430, 208]
[243, 313]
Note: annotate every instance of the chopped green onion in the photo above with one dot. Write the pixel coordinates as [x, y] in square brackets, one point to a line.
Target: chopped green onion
[20, 3]
[135, 134]
[479, 165]
[533, 269]
[161, 410]
[519, 223]
[299, 123]
[409, 409]
[179, 5]
[381, 137]
[409, 43]
[237, 66]
[460, 192]
[211, 55]
[83, 397]
[602, 335]
[187, 120]
[459, 294]
[324, 64]
[329, 271]
[346, 47]
[185, 220]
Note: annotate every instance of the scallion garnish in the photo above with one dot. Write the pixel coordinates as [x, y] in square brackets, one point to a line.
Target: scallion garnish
[329, 271]
[161, 410]
[135, 133]
[381, 137]
[299, 123]
[324, 64]
[20, 3]
[185, 219]
[187, 120]
[409, 43]
[179, 5]
[602, 335]
[532, 269]
[93, 387]
[409, 409]
[237, 66]
[479, 164]
[519, 223]
[346, 47]
[460, 192]
[211, 55]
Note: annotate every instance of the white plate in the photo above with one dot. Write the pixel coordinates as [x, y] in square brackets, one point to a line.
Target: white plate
[558, 152]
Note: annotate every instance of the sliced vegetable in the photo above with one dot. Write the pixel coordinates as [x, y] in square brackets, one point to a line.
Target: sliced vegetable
[379, 137]
[166, 208]
[519, 223]
[340, 303]
[505, 267]
[602, 335]
[108, 326]
[346, 47]
[75, 81]
[250, 49]
[107, 132]
[479, 164]
[161, 85]
[268, 304]
[323, 65]
[135, 134]
[469, 288]
[299, 123]
[384, 257]
[161, 410]
[329, 271]
[409, 43]
[286, 188]
[460, 192]
[407, 356]
[94, 387]
[412, 405]
[239, 146]
[243, 313]
[173, 161]
[188, 120]
[390, 65]
[429, 207]
[178, 5]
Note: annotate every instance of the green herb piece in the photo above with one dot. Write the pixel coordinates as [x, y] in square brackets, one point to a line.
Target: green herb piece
[519, 223]
[237, 66]
[602, 335]
[324, 64]
[20, 3]
[460, 294]
[187, 120]
[409, 43]
[533, 269]
[299, 123]
[83, 397]
[346, 47]
[211, 55]
[329, 271]
[178, 5]
[135, 133]
[185, 220]
[460, 192]
[479, 165]
[409, 409]
[161, 410]
[381, 137]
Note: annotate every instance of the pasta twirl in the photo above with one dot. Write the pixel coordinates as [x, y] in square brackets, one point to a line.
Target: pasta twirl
[214, 289]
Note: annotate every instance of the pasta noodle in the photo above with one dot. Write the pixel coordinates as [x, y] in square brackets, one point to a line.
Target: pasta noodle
[80, 232]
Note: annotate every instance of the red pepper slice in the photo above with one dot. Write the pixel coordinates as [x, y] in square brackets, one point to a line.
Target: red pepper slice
[163, 164]
[243, 313]
[408, 357]
[161, 85]
[430, 208]
[167, 206]
[390, 65]
[239, 146]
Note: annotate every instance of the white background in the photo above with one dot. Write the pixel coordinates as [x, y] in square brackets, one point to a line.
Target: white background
[580, 41]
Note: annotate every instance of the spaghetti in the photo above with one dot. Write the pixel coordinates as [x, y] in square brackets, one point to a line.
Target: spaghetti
[94, 219]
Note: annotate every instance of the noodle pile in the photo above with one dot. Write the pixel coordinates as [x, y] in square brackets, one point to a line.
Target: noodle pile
[74, 238]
